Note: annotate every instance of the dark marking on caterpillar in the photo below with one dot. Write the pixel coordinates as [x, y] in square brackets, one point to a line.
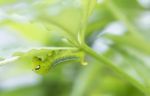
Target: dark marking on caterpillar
[64, 59]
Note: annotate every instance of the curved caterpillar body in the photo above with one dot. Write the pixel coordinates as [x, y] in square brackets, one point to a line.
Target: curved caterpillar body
[44, 60]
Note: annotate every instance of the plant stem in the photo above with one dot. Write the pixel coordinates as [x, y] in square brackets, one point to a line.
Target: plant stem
[132, 29]
[121, 16]
[111, 65]
[9, 60]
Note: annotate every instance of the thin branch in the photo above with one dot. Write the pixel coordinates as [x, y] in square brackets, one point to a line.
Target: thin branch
[115, 68]
[9, 60]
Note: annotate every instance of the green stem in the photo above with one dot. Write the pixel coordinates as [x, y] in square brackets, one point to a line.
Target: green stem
[10, 60]
[123, 18]
[111, 65]
[87, 75]
[88, 7]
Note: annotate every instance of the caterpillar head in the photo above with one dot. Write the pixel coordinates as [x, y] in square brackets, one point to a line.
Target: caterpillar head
[41, 64]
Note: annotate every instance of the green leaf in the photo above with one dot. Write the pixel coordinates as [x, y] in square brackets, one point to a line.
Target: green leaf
[2, 2]
[29, 30]
[131, 41]
[88, 7]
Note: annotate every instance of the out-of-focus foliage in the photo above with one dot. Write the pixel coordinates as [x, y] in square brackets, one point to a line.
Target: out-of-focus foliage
[116, 29]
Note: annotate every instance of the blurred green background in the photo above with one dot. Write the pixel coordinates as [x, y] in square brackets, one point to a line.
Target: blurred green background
[118, 29]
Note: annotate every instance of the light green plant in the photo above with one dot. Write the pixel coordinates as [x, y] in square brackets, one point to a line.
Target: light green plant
[44, 59]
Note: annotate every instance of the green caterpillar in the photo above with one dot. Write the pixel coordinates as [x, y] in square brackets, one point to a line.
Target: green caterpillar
[44, 60]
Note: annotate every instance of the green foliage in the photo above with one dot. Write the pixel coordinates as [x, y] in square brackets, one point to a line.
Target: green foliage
[122, 67]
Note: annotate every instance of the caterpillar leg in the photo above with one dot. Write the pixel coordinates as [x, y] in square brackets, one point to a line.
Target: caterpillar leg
[83, 62]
